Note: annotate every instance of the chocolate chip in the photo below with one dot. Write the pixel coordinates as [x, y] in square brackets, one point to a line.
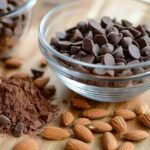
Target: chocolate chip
[105, 21]
[4, 120]
[118, 53]
[134, 51]
[138, 70]
[110, 72]
[99, 71]
[100, 40]
[126, 72]
[134, 32]
[82, 26]
[77, 36]
[96, 50]
[18, 131]
[120, 60]
[94, 25]
[114, 37]
[37, 73]
[79, 43]
[54, 41]
[88, 44]
[133, 62]
[111, 28]
[126, 41]
[145, 51]
[135, 43]
[61, 35]
[126, 23]
[75, 49]
[89, 35]
[147, 39]
[127, 33]
[141, 29]
[64, 44]
[87, 58]
[107, 48]
[142, 43]
[109, 60]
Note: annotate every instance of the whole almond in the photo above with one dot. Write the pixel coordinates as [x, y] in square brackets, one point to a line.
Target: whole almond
[145, 119]
[83, 133]
[26, 144]
[100, 127]
[126, 114]
[109, 141]
[95, 113]
[136, 135]
[119, 124]
[81, 121]
[80, 104]
[66, 118]
[13, 63]
[141, 109]
[126, 146]
[76, 145]
[54, 133]
[41, 82]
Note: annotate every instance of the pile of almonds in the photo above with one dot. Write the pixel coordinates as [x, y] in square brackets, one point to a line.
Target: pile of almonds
[84, 128]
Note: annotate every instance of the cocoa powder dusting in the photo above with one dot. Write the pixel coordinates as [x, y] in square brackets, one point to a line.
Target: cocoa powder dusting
[23, 104]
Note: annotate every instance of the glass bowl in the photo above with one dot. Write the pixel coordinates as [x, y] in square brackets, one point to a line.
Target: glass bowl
[78, 75]
[14, 23]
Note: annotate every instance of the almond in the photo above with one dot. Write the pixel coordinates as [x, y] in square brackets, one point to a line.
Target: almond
[76, 145]
[81, 121]
[119, 124]
[108, 141]
[41, 82]
[136, 135]
[126, 114]
[13, 63]
[80, 104]
[141, 109]
[126, 146]
[83, 133]
[54, 133]
[66, 118]
[145, 119]
[100, 127]
[26, 144]
[95, 113]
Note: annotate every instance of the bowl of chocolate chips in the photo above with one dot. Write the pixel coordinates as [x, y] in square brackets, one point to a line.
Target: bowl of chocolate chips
[101, 54]
[15, 18]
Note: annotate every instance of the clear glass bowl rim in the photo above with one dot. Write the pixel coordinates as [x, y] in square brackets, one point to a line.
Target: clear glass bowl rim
[26, 6]
[45, 44]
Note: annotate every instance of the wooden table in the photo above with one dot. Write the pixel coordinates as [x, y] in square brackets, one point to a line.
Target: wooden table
[30, 53]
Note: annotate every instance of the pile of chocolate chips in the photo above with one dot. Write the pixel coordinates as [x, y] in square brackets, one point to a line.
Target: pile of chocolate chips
[108, 43]
[23, 106]
[11, 28]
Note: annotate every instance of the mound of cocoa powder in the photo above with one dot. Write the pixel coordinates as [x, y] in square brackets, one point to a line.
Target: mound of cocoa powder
[23, 107]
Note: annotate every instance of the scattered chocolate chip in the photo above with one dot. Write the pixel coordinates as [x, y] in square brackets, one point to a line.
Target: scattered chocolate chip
[126, 23]
[109, 60]
[100, 40]
[114, 37]
[4, 120]
[37, 73]
[88, 44]
[134, 51]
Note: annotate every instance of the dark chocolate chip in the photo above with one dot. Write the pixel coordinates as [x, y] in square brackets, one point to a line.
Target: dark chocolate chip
[61, 35]
[79, 43]
[54, 41]
[126, 23]
[118, 53]
[82, 26]
[135, 43]
[141, 29]
[64, 44]
[114, 37]
[71, 30]
[134, 51]
[88, 44]
[94, 25]
[87, 58]
[145, 51]
[77, 36]
[89, 35]
[81, 54]
[134, 32]
[109, 60]
[126, 33]
[111, 28]
[75, 49]
[126, 72]
[119, 27]
[37, 73]
[147, 39]
[110, 72]
[142, 43]
[120, 60]
[138, 70]
[105, 21]
[100, 40]
[107, 48]
[120, 64]
[99, 71]
[4, 120]
[126, 41]
[96, 50]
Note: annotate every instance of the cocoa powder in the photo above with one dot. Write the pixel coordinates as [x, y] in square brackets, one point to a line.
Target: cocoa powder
[24, 105]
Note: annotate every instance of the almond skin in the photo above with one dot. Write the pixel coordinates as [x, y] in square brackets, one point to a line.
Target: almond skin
[81, 121]
[95, 113]
[76, 145]
[126, 114]
[83, 133]
[145, 119]
[126, 146]
[100, 127]
[26, 144]
[66, 118]
[141, 109]
[54, 133]
[13, 63]
[136, 135]
[119, 124]
[41, 82]
[80, 104]
[108, 141]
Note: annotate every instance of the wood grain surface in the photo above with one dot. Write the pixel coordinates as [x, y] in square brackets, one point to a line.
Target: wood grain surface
[29, 52]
